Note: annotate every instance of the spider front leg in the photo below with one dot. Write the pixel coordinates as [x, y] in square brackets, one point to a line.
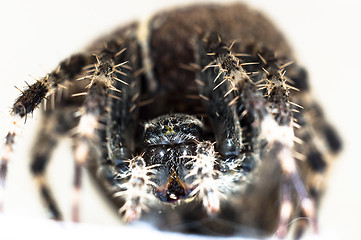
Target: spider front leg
[223, 166]
[135, 188]
[126, 176]
[210, 182]
[107, 116]
[266, 118]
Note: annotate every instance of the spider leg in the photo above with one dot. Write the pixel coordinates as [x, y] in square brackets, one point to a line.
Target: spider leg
[205, 183]
[127, 176]
[54, 125]
[316, 141]
[269, 116]
[279, 133]
[301, 114]
[107, 127]
[219, 92]
[214, 89]
[93, 113]
[320, 145]
[30, 99]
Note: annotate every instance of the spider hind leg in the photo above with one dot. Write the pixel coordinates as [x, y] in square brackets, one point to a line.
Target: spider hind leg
[32, 97]
[55, 125]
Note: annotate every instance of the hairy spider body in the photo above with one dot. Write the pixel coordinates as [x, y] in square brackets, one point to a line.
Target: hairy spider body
[203, 108]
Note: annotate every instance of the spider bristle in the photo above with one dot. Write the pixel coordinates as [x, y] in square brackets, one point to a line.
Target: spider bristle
[286, 64]
[114, 97]
[85, 77]
[203, 97]
[262, 59]
[19, 89]
[57, 69]
[195, 66]
[120, 64]
[249, 63]
[264, 70]
[196, 97]
[242, 54]
[140, 71]
[145, 102]
[229, 92]
[135, 97]
[200, 83]
[218, 85]
[137, 190]
[79, 94]
[91, 71]
[231, 45]
[120, 72]
[112, 88]
[62, 86]
[244, 113]
[295, 104]
[119, 52]
[188, 67]
[119, 80]
[127, 67]
[210, 65]
[132, 108]
[87, 67]
[234, 100]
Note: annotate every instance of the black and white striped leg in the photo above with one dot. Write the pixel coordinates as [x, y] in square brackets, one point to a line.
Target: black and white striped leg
[267, 116]
[285, 208]
[30, 99]
[127, 175]
[278, 129]
[320, 144]
[107, 126]
[214, 88]
[53, 126]
[218, 89]
[92, 114]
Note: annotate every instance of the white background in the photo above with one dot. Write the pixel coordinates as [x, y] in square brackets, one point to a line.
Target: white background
[36, 35]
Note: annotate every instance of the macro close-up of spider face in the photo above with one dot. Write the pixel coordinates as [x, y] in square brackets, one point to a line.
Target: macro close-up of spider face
[198, 119]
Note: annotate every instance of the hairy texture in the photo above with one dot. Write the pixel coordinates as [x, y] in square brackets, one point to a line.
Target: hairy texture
[199, 120]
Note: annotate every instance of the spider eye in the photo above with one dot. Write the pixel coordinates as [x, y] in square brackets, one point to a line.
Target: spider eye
[176, 129]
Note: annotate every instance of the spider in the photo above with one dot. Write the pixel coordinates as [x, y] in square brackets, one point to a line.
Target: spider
[202, 112]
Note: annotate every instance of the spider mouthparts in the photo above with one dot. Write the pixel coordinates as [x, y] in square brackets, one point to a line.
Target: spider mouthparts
[173, 191]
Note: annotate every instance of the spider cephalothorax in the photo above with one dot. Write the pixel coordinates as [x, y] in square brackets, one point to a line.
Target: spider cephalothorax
[168, 141]
[200, 113]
